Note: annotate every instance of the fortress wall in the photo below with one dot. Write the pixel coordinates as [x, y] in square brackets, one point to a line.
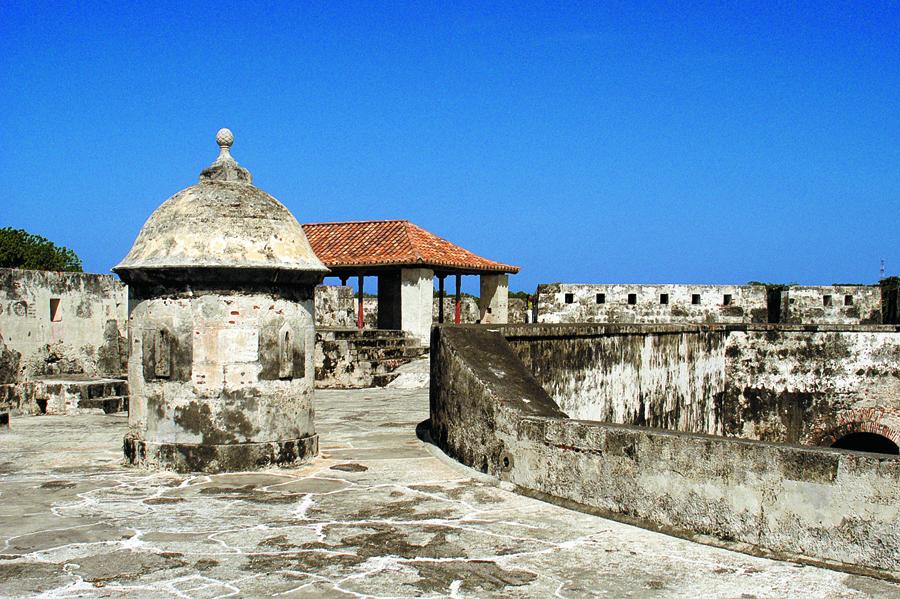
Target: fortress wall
[59, 323]
[775, 383]
[90, 316]
[565, 303]
[696, 304]
[833, 304]
[335, 306]
[817, 505]
[661, 376]
[807, 384]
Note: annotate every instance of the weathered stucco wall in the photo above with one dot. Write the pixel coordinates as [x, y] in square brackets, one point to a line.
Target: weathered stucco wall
[650, 304]
[58, 324]
[832, 507]
[663, 376]
[64, 323]
[811, 385]
[518, 311]
[221, 380]
[335, 306]
[780, 383]
[468, 310]
[747, 304]
[834, 304]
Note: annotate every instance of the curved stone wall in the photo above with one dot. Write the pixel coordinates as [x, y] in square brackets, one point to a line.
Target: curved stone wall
[817, 505]
[221, 380]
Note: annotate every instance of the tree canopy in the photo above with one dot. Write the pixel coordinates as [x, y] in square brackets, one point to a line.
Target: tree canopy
[21, 249]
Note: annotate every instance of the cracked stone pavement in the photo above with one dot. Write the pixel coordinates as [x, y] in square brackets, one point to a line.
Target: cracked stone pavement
[378, 514]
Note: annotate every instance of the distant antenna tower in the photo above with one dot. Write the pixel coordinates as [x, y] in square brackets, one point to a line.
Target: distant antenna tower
[882, 270]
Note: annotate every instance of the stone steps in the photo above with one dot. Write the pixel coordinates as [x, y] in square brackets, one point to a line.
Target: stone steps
[353, 359]
[109, 405]
[64, 396]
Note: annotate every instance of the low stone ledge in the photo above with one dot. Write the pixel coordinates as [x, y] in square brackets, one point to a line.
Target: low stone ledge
[212, 459]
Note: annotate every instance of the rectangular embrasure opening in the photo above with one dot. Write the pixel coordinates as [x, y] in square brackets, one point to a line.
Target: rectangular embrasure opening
[55, 311]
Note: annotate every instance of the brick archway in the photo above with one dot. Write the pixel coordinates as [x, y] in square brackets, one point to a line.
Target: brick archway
[857, 421]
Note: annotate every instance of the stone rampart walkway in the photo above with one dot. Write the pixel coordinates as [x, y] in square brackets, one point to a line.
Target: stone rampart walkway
[380, 514]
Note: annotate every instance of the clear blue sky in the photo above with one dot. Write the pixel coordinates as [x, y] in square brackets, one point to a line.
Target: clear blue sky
[588, 142]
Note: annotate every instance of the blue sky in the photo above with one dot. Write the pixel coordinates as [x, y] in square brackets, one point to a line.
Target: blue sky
[594, 142]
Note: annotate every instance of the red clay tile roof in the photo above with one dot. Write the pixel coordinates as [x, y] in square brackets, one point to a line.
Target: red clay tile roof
[392, 242]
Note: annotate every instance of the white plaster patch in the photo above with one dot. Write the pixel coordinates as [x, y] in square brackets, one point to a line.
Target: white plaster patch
[238, 345]
[208, 378]
[241, 375]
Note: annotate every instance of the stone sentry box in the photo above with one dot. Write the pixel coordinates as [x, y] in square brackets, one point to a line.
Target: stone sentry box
[221, 280]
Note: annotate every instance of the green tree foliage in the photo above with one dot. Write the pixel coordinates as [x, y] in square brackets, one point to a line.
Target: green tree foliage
[21, 249]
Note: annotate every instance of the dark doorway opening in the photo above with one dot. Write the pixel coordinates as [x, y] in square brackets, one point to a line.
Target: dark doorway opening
[891, 305]
[773, 305]
[867, 442]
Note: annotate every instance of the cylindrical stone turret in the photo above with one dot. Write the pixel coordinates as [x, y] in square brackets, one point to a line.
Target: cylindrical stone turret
[221, 280]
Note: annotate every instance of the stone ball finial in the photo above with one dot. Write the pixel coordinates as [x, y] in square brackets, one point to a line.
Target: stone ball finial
[224, 138]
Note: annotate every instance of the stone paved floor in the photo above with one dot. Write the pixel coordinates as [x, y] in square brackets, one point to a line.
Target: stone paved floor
[380, 514]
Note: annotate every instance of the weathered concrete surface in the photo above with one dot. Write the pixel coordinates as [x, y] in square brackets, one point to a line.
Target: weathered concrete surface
[54, 324]
[493, 299]
[662, 376]
[832, 304]
[79, 395]
[380, 514]
[468, 309]
[238, 370]
[811, 385]
[519, 312]
[781, 383]
[416, 302]
[833, 507]
[652, 304]
[90, 313]
[335, 306]
[659, 304]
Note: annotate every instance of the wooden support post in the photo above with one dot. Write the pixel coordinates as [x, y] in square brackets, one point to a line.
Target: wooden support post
[344, 280]
[441, 298]
[359, 314]
[458, 297]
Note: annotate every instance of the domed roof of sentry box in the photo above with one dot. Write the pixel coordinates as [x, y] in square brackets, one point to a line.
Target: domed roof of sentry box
[222, 222]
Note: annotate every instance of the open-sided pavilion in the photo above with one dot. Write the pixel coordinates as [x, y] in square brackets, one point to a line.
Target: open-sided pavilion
[405, 258]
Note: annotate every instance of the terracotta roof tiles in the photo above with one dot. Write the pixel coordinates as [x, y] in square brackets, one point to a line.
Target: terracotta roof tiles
[392, 242]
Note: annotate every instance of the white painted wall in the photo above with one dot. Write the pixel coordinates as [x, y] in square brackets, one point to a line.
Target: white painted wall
[493, 302]
[416, 299]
